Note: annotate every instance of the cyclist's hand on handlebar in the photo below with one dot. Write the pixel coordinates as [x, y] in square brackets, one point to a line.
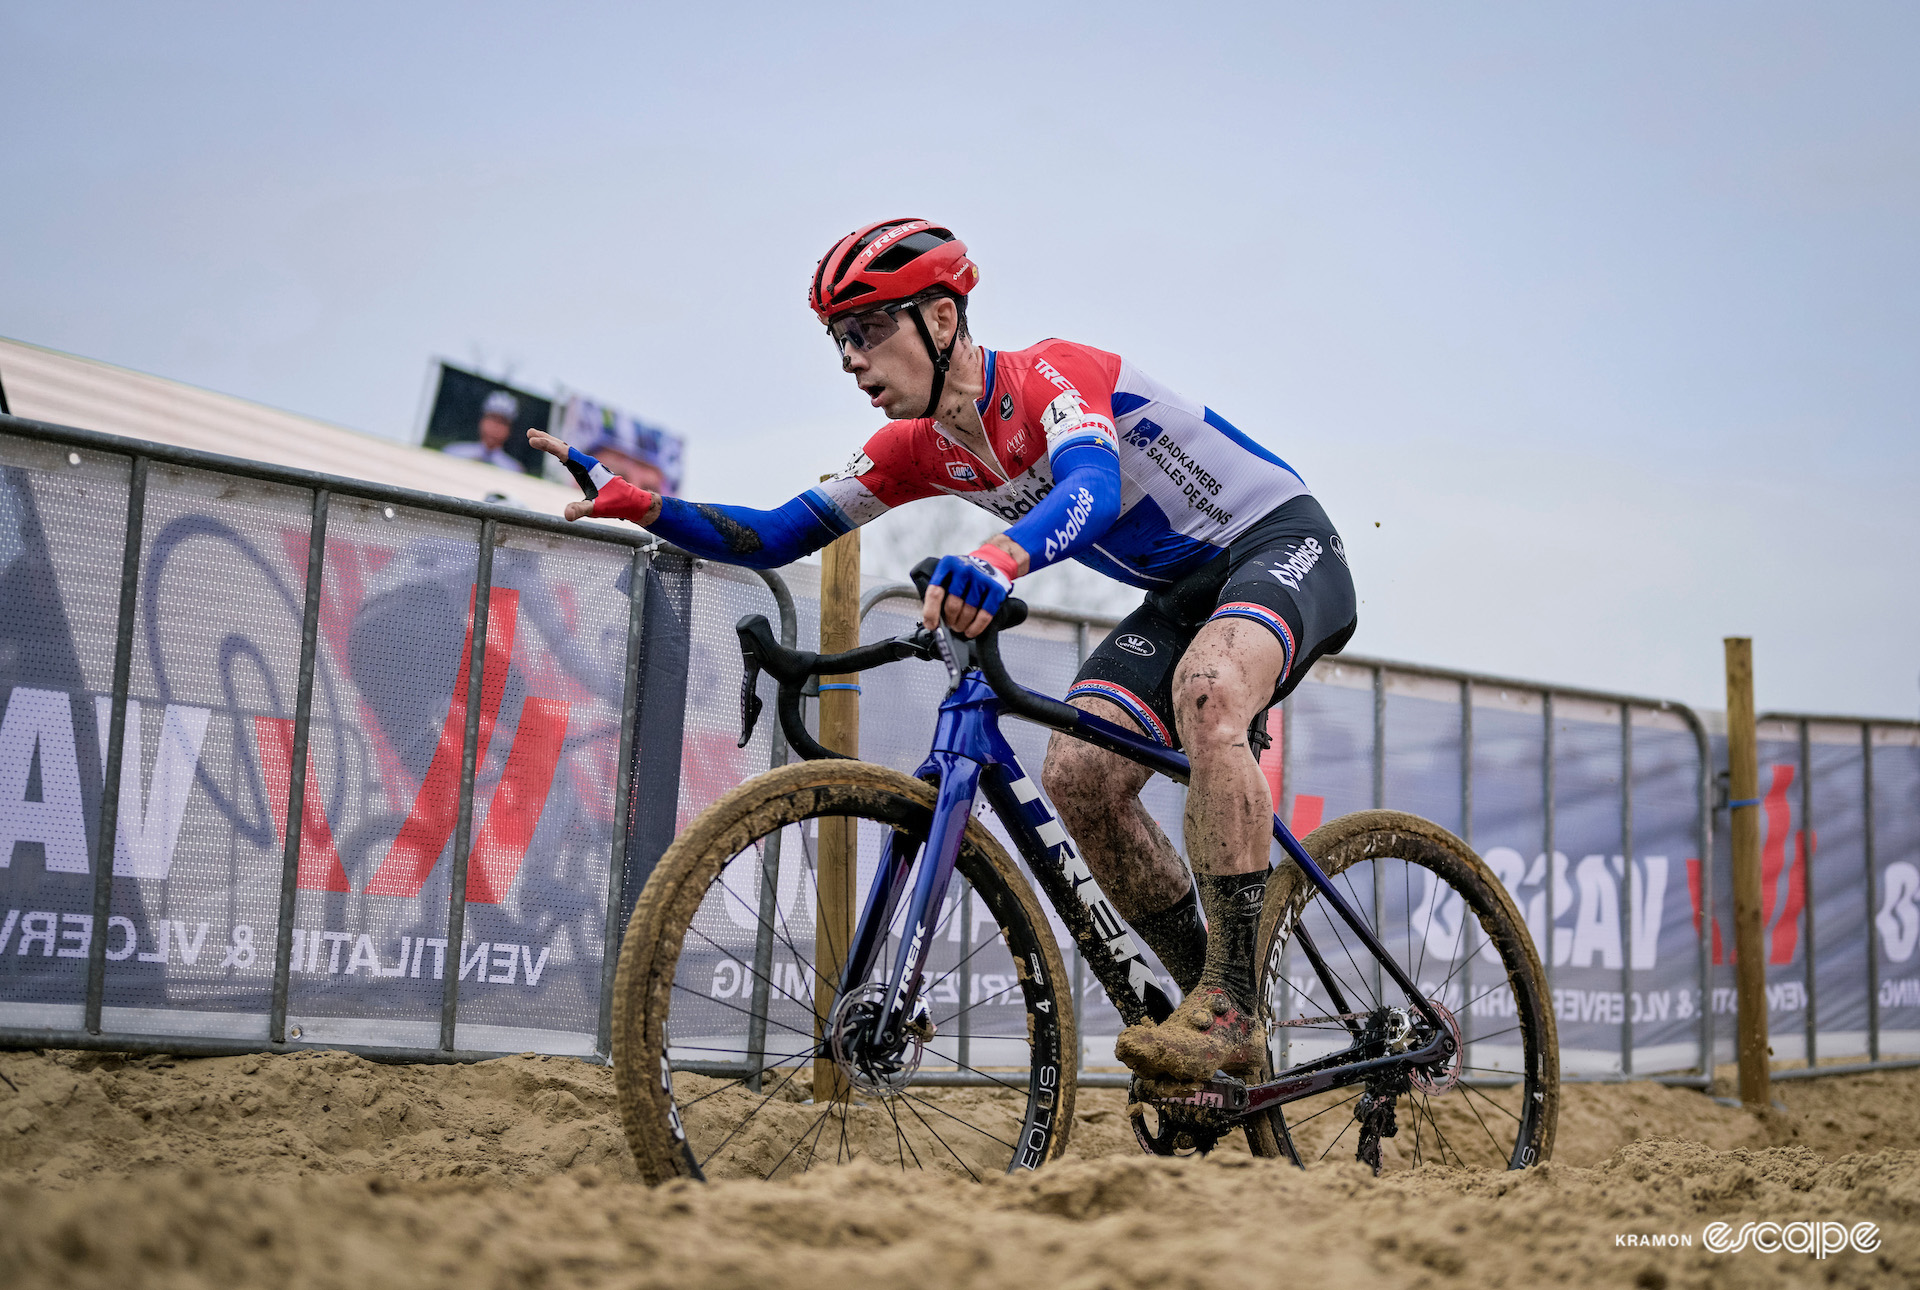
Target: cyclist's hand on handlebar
[967, 590]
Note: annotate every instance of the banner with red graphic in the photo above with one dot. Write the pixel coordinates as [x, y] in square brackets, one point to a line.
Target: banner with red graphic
[209, 732]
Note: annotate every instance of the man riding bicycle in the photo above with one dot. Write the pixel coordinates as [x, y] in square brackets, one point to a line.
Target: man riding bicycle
[1092, 460]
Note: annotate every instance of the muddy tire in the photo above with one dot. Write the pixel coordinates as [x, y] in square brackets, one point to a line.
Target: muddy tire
[701, 959]
[1448, 921]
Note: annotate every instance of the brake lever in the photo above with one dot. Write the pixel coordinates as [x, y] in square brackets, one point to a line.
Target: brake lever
[956, 652]
[750, 701]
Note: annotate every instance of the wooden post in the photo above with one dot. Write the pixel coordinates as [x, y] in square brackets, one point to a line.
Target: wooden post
[1750, 960]
[838, 852]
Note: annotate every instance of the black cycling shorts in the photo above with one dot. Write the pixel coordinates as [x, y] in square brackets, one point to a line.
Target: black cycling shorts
[1288, 573]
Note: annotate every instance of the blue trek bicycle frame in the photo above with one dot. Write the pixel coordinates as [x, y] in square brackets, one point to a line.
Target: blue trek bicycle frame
[970, 757]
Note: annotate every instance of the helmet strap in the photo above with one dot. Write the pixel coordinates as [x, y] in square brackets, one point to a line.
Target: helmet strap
[942, 358]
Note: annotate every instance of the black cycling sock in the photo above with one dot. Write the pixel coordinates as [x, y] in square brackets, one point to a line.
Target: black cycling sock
[1233, 903]
[1177, 935]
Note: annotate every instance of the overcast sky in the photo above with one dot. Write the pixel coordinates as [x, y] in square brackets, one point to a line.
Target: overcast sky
[1604, 314]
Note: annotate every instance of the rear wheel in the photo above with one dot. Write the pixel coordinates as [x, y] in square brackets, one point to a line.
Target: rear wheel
[729, 1060]
[1450, 925]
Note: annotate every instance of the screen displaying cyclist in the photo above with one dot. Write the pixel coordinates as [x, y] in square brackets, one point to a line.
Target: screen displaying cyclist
[1088, 458]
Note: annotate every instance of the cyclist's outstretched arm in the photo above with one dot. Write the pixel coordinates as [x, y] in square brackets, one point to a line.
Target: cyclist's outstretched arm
[738, 535]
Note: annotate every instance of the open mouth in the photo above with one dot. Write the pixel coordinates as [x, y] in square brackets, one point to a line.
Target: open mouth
[873, 391]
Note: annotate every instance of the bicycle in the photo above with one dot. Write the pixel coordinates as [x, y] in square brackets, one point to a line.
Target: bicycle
[749, 1038]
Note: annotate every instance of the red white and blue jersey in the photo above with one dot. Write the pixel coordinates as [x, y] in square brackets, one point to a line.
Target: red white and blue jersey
[1188, 483]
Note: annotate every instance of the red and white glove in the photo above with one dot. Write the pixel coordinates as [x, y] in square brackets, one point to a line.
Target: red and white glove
[619, 500]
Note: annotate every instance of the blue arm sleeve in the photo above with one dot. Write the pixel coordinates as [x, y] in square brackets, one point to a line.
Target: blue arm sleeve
[742, 535]
[1084, 503]
[729, 534]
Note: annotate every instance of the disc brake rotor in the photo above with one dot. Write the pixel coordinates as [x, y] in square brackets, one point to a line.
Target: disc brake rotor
[849, 1026]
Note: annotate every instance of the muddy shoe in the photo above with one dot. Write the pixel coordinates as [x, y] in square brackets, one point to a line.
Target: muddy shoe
[1206, 1033]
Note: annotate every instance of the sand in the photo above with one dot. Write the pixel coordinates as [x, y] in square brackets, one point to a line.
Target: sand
[327, 1170]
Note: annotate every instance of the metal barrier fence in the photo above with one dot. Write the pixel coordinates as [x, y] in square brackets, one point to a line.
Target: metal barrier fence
[392, 768]
[1840, 890]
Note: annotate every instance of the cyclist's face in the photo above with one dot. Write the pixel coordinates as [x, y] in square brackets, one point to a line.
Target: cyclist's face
[895, 373]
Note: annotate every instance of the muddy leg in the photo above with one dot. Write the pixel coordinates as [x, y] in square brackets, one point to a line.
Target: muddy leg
[1098, 796]
[1224, 678]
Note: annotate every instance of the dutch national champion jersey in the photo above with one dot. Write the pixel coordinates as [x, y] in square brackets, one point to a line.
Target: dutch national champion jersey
[1189, 482]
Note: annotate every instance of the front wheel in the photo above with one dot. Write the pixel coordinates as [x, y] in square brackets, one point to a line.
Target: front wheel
[732, 1059]
[1453, 929]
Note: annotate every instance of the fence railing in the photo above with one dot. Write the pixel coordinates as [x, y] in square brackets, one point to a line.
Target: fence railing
[337, 670]
[392, 767]
[1838, 795]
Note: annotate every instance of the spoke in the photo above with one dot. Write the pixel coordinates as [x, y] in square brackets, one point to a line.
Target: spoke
[963, 982]
[1335, 922]
[1481, 1039]
[914, 1111]
[1406, 890]
[771, 984]
[941, 1110]
[1323, 1110]
[1471, 1090]
[900, 1137]
[804, 1034]
[1483, 1123]
[1497, 985]
[1440, 1133]
[783, 931]
[1458, 936]
[812, 866]
[806, 1056]
[819, 1122]
[992, 1079]
[748, 1120]
[1470, 953]
[1337, 1137]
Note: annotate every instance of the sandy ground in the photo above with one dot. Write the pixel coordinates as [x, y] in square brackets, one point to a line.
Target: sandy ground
[327, 1170]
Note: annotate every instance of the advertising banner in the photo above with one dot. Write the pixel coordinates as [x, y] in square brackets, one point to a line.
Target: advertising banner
[214, 652]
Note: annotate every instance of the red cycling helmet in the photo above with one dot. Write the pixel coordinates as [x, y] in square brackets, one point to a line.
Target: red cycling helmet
[894, 259]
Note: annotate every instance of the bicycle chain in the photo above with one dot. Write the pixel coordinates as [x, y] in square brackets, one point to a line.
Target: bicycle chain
[1342, 1017]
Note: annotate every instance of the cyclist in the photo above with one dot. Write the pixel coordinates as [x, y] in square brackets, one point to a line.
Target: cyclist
[1089, 459]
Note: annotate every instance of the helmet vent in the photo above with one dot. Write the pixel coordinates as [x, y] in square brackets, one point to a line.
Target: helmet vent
[907, 250]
